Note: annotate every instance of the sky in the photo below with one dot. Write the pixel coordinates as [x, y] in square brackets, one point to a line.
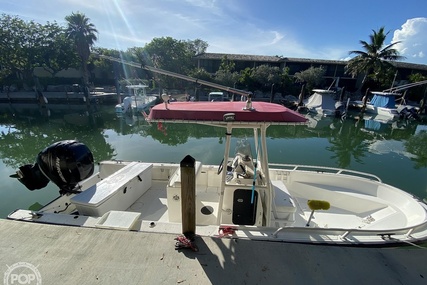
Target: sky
[315, 29]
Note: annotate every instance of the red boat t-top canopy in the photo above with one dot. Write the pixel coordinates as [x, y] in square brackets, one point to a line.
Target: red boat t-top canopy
[225, 112]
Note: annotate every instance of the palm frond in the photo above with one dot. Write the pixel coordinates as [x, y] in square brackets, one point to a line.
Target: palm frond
[375, 58]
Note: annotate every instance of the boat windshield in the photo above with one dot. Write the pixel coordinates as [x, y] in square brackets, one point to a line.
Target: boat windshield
[243, 149]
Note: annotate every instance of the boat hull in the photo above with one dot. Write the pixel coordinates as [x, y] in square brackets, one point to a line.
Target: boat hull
[132, 105]
[363, 210]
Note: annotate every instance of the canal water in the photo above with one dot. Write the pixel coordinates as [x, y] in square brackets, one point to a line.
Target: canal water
[396, 152]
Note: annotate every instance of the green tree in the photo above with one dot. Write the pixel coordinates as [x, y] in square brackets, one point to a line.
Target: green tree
[8, 31]
[246, 78]
[226, 64]
[200, 73]
[287, 82]
[226, 74]
[27, 45]
[171, 55]
[416, 77]
[266, 76]
[138, 54]
[374, 61]
[197, 46]
[108, 69]
[313, 76]
[57, 51]
[105, 66]
[418, 93]
[84, 34]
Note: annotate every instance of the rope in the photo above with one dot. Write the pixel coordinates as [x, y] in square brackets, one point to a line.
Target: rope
[184, 242]
[255, 168]
[226, 231]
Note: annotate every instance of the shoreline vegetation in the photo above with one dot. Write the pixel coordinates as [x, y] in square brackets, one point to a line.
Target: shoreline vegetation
[37, 57]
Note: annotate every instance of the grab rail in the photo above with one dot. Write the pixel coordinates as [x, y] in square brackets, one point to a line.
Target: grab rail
[343, 233]
[322, 169]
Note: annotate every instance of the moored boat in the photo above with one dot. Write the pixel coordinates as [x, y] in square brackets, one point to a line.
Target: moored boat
[383, 104]
[323, 102]
[139, 100]
[244, 196]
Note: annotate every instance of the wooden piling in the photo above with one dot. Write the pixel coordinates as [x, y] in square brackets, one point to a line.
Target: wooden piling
[342, 94]
[188, 196]
[423, 103]
[365, 99]
[301, 96]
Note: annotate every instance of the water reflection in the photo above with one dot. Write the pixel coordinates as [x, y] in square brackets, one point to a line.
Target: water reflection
[26, 131]
[417, 145]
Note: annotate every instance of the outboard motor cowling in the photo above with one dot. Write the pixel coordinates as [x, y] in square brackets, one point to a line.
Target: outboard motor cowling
[65, 163]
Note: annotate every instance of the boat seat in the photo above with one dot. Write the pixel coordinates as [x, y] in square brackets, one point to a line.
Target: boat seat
[175, 180]
[284, 205]
[116, 192]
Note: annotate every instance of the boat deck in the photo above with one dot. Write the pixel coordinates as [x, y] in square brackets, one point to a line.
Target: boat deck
[153, 205]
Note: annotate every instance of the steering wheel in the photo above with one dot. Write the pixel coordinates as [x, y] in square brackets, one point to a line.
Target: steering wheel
[220, 166]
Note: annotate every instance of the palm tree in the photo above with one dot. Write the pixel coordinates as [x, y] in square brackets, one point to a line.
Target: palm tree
[83, 33]
[375, 59]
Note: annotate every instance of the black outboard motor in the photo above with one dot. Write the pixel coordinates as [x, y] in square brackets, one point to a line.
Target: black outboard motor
[65, 163]
[409, 114]
[340, 110]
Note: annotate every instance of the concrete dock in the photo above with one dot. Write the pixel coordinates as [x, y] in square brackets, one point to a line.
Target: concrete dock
[74, 255]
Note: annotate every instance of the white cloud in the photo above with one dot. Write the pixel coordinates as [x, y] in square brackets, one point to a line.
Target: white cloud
[390, 146]
[277, 37]
[413, 40]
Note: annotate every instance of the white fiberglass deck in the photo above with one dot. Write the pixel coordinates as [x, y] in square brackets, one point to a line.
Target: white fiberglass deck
[344, 213]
